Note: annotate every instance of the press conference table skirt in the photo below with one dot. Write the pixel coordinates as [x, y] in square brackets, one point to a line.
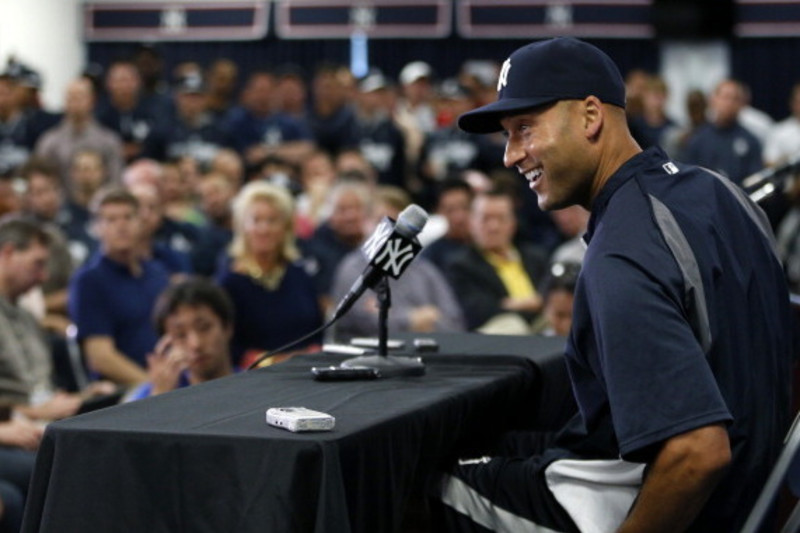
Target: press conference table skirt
[204, 459]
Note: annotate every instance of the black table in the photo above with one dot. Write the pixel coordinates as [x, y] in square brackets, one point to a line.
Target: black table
[203, 458]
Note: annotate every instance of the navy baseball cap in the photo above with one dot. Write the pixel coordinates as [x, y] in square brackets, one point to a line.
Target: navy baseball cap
[544, 72]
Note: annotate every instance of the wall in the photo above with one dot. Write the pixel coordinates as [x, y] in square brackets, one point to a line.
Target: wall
[45, 35]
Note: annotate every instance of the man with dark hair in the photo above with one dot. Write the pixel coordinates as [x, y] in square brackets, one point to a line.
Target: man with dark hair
[453, 203]
[112, 295]
[25, 359]
[195, 321]
[680, 348]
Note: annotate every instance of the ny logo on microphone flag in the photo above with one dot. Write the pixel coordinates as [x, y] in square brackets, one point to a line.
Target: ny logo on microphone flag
[396, 254]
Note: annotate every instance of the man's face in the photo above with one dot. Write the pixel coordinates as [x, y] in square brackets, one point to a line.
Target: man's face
[87, 171]
[43, 196]
[558, 311]
[24, 268]
[151, 209]
[118, 227]
[548, 147]
[200, 334]
[454, 206]
[216, 195]
[80, 99]
[493, 223]
[349, 216]
[726, 102]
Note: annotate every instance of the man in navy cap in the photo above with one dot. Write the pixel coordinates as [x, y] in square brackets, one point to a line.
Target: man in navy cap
[680, 344]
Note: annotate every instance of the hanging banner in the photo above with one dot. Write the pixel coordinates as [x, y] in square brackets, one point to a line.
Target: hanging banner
[532, 19]
[767, 18]
[377, 19]
[198, 20]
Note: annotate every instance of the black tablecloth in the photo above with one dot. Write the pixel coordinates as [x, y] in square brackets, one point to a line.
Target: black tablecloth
[204, 459]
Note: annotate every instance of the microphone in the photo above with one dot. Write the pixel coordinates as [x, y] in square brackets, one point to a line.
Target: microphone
[390, 249]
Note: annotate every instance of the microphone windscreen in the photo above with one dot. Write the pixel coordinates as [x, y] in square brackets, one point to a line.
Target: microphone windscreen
[411, 221]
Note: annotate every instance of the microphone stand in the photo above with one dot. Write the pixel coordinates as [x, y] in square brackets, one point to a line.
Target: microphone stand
[384, 294]
[387, 365]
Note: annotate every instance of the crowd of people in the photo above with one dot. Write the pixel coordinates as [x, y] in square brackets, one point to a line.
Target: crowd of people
[172, 227]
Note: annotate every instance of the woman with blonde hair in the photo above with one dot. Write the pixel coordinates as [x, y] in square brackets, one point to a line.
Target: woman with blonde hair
[274, 299]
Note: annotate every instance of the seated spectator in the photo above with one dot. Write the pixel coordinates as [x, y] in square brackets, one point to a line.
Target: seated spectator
[112, 295]
[29, 98]
[273, 297]
[178, 184]
[494, 280]
[45, 201]
[421, 299]
[195, 321]
[342, 232]
[654, 123]
[676, 139]
[87, 174]
[292, 91]
[376, 134]
[193, 131]
[79, 130]
[331, 116]
[216, 196]
[258, 131]
[558, 289]
[448, 151]
[724, 145]
[455, 199]
[151, 216]
[127, 111]
[317, 176]
[25, 358]
[221, 91]
[228, 163]
[571, 223]
[173, 234]
[16, 139]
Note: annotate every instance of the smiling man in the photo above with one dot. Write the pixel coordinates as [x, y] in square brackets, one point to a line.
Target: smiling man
[680, 344]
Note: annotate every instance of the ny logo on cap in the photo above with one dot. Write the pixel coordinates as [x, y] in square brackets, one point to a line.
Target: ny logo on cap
[502, 81]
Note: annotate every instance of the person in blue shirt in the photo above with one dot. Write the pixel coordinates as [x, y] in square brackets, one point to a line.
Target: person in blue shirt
[723, 144]
[195, 321]
[112, 295]
[258, 131]
[274, 298]
[680, 348]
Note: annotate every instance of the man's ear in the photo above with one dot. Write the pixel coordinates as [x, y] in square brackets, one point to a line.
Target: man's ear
[593, 116]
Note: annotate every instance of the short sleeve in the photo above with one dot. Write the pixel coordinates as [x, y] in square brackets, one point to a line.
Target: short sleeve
[656, 376]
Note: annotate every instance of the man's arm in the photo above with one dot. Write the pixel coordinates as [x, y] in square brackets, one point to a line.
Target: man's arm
[104, 357]
[680, 481]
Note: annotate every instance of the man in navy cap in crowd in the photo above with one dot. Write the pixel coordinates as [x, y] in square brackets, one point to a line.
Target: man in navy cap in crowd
[680, 344]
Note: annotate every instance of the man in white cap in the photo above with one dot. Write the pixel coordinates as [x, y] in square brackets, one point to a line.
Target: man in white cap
[414, 112]
[680, 348]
